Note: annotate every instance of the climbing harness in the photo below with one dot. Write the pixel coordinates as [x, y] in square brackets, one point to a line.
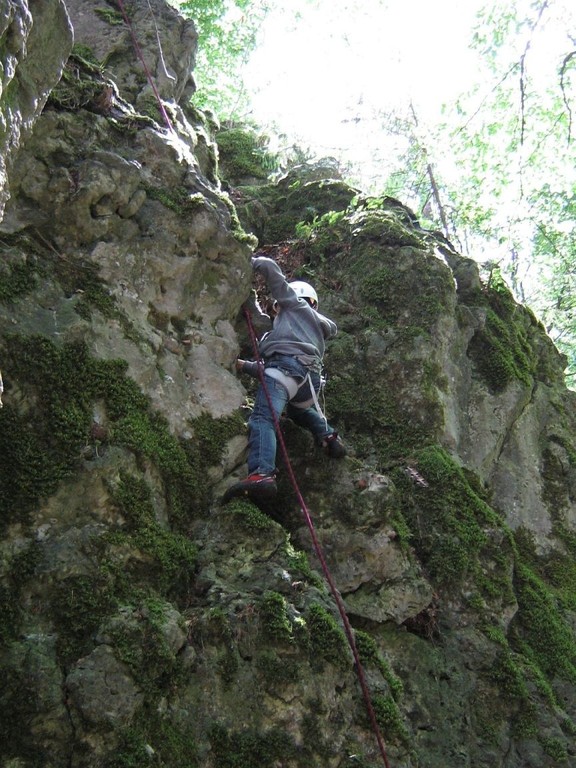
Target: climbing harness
[317, 548]
[313, 398]
[293, 387]
[143, 62]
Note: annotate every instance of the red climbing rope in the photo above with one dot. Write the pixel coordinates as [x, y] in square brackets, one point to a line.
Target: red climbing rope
[318, 550]
[146, 69]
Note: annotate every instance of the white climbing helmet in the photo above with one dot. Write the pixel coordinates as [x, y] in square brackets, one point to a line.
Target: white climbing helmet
[304, 291]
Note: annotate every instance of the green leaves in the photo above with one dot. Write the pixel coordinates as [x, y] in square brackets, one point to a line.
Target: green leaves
[510, 171]
[227, 35]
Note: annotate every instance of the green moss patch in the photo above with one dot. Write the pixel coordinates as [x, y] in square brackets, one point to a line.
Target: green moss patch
[370, 656]
[249, 748]
[385, 226]
[274, 618]
[249, 517]
[502, 350]
[390, 720]
[276, 670]
[44, 442]
[79, 603]
[542, 632]
[170, 556]
[17, 280]
[449, 521]
[327, 641]
[155, 738]
[82, 85]
[211, 435]
[310, 212]
[399, 411]
[243, 154]
[179, 199]
[143, 646]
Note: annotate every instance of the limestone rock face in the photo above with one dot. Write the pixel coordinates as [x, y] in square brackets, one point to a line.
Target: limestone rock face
[138, 213]
[141, 621]
[36, 41]
[163, 42]
[102, 690]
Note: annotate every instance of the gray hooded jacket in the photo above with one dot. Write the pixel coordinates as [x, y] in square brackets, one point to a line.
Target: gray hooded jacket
[298, 330]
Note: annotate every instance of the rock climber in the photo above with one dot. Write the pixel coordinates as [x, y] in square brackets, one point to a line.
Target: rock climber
[291, 354]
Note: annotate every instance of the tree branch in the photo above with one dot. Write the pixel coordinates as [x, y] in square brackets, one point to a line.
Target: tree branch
[523, 73]
[432, 179]
[567, 59]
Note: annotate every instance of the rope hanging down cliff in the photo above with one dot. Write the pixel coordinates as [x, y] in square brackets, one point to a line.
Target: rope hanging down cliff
[143, 62]
[317, 548]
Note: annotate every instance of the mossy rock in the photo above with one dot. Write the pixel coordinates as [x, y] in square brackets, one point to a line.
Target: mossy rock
[273, 211]
[45, 442]
[502, 352]
[386, 226]
[305, 204]
[243, 155]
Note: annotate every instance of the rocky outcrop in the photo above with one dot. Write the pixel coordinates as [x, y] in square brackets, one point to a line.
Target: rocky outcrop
[142, 622]
[36, 41]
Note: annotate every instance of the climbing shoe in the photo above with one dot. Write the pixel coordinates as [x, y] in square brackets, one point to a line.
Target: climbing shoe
[333, 446]
[255, 487]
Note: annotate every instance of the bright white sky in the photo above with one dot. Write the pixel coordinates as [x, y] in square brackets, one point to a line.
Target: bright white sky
[326, 70]
[324, 75]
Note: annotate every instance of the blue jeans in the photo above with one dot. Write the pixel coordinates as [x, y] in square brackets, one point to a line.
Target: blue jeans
[262, 440]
